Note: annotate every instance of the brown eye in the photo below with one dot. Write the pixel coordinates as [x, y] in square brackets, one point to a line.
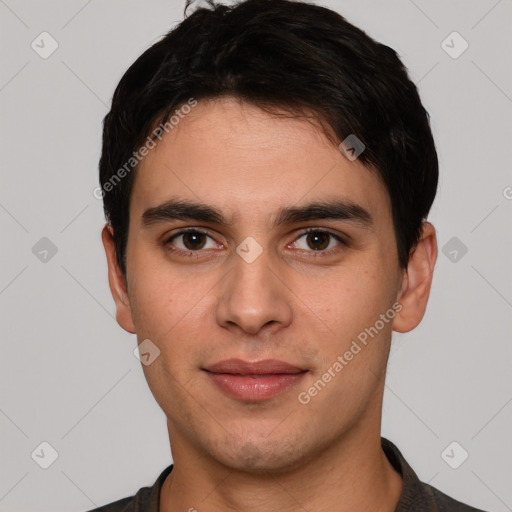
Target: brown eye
[191, 241]
[194, 240]
[318, 241]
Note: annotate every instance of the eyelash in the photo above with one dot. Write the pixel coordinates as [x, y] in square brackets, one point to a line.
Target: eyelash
[311, 254]
[181, 252]
[319, 254]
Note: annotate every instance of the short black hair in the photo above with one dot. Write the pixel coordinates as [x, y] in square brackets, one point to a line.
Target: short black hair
[282, 56]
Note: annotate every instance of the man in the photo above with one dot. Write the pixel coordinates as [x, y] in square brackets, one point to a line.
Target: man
[267, 171]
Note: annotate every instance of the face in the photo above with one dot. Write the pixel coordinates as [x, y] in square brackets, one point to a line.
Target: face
[253, 239]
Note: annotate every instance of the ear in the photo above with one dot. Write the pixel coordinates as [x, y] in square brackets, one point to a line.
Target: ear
[117, 282]
[416, 281]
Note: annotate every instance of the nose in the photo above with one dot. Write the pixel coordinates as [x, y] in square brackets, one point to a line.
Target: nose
[253, 296]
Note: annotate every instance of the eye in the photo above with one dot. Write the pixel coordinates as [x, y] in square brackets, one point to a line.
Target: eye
[192, 240]
[317, 240]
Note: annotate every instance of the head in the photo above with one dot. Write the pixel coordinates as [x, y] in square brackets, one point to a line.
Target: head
[230, 128]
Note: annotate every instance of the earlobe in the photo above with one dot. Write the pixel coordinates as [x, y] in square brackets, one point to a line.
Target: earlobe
[417, 281]
[117, 282]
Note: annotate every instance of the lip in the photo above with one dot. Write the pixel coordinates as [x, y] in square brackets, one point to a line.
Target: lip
[254, 381]
[264, 367]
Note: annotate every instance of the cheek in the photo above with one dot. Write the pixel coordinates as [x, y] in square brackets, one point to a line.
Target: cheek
[171, 310]
[159, 298]
[153, 306]
[349, 300]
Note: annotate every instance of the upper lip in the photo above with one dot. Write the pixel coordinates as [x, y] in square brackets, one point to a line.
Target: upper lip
[264, 367]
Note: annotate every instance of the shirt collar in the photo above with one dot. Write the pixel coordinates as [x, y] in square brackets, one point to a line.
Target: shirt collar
[413, 489]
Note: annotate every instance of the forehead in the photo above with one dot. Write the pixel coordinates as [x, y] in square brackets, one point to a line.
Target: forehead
[244, 161]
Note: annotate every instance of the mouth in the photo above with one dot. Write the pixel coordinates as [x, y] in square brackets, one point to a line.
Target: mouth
[254, 381]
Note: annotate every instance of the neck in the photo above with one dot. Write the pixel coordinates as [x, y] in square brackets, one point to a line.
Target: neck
[352, 474]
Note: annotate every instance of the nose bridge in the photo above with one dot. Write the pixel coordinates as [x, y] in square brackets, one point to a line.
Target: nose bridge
[254, 273]
[252, 295]
[252, 278]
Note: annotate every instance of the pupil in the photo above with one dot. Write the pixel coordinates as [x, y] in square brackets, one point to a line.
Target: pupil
[193, 240]
[318, 241]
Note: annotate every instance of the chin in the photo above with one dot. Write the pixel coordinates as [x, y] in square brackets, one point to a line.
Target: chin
[260, 455]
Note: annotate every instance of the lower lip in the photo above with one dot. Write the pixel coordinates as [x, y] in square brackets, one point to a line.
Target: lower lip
[255, 387]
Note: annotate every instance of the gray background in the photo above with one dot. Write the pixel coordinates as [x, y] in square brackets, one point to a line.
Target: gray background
[68, 373]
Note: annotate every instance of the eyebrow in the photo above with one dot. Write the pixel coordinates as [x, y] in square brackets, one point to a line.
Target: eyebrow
[330, 210]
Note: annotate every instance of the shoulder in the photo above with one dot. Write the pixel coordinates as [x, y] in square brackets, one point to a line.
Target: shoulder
[445, 503]
[417, 495]
[124, 505]
[147, 499]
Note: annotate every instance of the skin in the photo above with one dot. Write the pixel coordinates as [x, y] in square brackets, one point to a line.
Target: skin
[292, 303]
